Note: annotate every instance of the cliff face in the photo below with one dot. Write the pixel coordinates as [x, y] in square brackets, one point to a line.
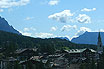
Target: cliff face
[88, 38]
[4, 26]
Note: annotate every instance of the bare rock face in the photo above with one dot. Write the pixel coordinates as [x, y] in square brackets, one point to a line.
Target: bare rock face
[4, 26]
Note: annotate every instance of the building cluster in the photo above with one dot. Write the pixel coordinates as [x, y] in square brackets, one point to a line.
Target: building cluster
[62, 59]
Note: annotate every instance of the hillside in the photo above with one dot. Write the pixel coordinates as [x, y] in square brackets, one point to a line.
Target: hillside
[19, 41]
[4, 26]
[88, 38]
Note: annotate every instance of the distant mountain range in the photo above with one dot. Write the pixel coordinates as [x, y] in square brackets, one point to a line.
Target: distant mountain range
[4, 26]
[21, 41]
[88, 38]
[63, 38]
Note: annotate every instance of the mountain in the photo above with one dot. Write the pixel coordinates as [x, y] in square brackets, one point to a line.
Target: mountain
[21, 41]
[88, 38]
[63, 38]
[4, 26]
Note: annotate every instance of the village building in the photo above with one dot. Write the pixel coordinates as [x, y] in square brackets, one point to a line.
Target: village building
[7, 63]
[60, 63]
[24, 54]
[82, 53]
[80, 56]
[62, 59]
[99, 45]
[75, 66]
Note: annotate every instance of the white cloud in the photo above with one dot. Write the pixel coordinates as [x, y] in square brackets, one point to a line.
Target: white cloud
[88, 10]
[101, 30]
[33, 29]
[53, 28]
[29, 18]
[12, 3]
[26, 29]
[25, 33]
[53, 2]
[66, 17]
[43, 35]
[63, 16]
[29, 29]
[83, 18]
[1, 10]
[68, 27]
[48, 35]
[83, 30]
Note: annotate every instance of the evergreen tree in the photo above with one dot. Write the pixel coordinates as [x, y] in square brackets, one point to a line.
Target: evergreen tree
[100, 63]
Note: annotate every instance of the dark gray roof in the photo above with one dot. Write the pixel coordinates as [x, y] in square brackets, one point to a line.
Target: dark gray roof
[80, 50]
[22, 50]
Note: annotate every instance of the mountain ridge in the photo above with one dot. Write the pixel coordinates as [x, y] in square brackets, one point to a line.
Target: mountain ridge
[7, 38]
[63, 38]
[4, 26]
[88, 38]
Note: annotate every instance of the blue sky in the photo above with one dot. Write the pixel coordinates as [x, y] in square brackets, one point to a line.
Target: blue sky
[54, 18]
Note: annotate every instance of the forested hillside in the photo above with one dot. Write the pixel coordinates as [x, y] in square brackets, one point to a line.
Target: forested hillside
[20, 41]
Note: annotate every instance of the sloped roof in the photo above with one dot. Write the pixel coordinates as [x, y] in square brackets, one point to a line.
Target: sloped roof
[22, 50]
[92, 50]
[80, 50]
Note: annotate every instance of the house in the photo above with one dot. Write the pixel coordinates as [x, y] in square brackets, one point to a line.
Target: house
[7, 63]
[82, 53]
[33, 63]
[60, 63]
[74, 66]
[23, 54]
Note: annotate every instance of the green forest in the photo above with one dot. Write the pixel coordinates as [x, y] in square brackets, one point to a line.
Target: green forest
[12, 42]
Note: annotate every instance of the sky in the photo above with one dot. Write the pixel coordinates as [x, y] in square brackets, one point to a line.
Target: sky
[54, 18]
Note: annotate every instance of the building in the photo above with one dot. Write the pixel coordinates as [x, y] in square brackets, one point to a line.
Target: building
[99, 45]
[8, 63]
[23, 54]
[75, 66]
[60, 63]
[82, 53]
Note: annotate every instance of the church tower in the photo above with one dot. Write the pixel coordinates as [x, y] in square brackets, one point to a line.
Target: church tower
[99, 45]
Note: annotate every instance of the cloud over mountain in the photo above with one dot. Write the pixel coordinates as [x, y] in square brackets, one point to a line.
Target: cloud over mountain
[63, 16]
[68, 27]
[25, 33]
[83, 30]
[43, 35]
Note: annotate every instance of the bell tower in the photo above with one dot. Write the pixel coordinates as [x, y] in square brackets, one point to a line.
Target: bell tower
[99, 44]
